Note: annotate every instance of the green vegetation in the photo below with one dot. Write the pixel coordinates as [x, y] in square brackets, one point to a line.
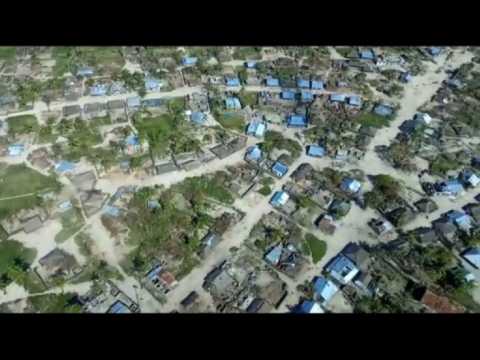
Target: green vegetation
[81, 136]
[103, 56]
[46, 133]
[55, 303]
[318, 247]
[19, 180]
[23, 124]
[265, 190]
[96, 269]
[8, 54]
[247, 98]
[386, 189]
[231, 120]
[244, 53]
[133, 81]
[84, 243]
[168, 133]
[72, 221]
[443, 163]
[373, 120]
[64, 58]
[183, 218]
[275, 140]
[28, 91]
[15, 260]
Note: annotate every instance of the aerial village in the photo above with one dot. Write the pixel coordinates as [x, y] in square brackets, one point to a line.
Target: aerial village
[239, 180]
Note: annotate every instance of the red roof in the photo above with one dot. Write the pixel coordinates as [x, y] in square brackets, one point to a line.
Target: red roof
[167, 277]
[440, 304]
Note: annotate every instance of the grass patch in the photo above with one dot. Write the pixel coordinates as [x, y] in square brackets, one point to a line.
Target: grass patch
[8, 53]
[101, 121]
[442, 164]
[248, 98]
[275, 140]
[247, 52]
[373, 120]
[15, 260]
[84, 243]
[19, 180]
[23, 124]
[463, 297]
[318, 247]
[72, 222]
[231, 120]
[265, 190]
[188, 264]
[55, 303]
[81, 135]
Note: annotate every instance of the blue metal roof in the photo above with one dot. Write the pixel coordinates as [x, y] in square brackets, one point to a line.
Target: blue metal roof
[324, 289]
[274, 255]
[85, 71]
[232, 81]
[355, 100]
[317, 84]
[119, 308]
[288, 95]
[302, 83]
[338, 97]
[307, 306]
[152, 274]
[272, 81]
[342, 268]
[306, 96]
[406, 77]
[451, 186]
[112, 210]
[366, 55]
[16, 149]
[383, 110]
[99, 90]
[189, 60]
[198, 117]
[233, 103]
[349, 184]
[132, 140]
[315, 150]
[254, 153]
[64, 166]
[134, 101]
[297, 121]
[279, 169]
[279, 198]
[256, 128]
[152, 84]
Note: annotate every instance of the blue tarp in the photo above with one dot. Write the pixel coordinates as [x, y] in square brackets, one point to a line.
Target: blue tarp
[132, 140]
[250, 64]
[279, 198]
[315, 150]
[112, 211]
[152, 84]
[133, 102]
[434, 51]
[349, 184]
[451, 186]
